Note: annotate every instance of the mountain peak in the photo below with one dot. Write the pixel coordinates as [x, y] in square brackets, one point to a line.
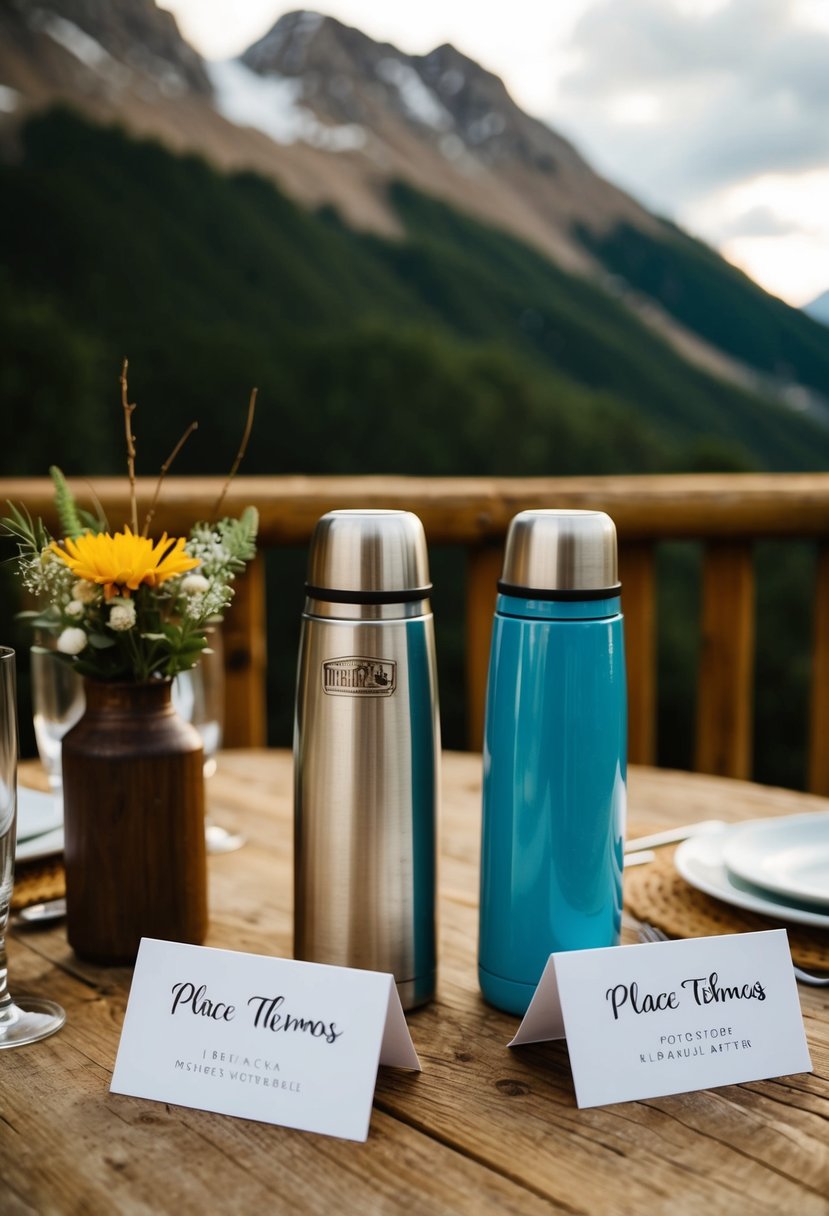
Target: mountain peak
[303, 41]
[114, 39]
[447, 58]
[330, 113]
[347, 77]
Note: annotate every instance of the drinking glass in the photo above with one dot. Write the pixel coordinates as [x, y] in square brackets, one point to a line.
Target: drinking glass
[58, 702]
[199, 698]
[29, 1018]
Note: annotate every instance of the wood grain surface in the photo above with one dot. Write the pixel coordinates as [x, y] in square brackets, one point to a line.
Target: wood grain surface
[482, 1129]
[468, 510]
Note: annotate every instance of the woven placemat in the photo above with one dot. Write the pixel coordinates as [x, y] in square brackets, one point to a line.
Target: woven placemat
[37, 881]
[657, 894]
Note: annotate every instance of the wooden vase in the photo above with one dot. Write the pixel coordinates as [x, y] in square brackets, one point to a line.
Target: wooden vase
[133, 788]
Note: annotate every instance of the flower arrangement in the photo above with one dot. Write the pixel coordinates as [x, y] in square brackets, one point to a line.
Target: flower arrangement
[121, 605]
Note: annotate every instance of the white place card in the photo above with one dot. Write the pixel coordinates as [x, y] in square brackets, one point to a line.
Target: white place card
[284, 1042]
[668, 1017]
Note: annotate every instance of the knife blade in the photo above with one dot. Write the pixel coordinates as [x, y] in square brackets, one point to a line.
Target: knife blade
[674, 835]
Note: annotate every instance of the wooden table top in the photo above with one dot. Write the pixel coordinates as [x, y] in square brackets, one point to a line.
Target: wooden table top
[481, 1129]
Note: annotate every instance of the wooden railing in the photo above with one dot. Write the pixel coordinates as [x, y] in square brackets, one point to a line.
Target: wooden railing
[728, 513]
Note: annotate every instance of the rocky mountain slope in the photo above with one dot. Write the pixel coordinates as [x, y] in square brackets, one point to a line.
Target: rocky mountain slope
[331, 115]
[342, 115]
[334, 117]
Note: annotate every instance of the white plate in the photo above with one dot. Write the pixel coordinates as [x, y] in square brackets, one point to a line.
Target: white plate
[787, 857]
[40, 846]
[700, 862]
[37, 813]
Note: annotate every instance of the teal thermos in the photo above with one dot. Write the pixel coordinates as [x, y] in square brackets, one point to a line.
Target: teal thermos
[555, 741]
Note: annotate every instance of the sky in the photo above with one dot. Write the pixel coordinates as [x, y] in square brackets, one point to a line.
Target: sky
[714, 113]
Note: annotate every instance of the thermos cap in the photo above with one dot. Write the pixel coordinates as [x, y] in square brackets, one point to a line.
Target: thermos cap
[368, 556]
[560, 554]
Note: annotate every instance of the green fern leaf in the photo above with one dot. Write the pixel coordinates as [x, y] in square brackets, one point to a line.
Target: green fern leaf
[64, 500]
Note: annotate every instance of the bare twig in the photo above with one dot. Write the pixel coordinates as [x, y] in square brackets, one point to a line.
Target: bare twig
[128, 411]
[240, 455]
[165, 469]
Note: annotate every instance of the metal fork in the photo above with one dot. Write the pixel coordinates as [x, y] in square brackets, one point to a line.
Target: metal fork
[650, 933]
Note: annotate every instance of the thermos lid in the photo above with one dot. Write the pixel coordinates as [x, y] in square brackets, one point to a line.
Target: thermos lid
[560, 555]
[368, 557]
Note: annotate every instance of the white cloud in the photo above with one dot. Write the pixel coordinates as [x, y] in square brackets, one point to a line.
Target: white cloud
[759, 221]
[736, 136]
[636, 109]
[742, 90]
[793, 265]
[797, 201]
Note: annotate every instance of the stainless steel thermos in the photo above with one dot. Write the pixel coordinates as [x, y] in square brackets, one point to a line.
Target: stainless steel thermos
[555, 741]
[366, 752]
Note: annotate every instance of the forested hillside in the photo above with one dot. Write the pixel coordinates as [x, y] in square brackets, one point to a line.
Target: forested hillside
[455, 350]
[716, 300]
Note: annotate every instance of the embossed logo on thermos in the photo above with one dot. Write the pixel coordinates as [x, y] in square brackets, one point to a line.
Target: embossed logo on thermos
[358, 676]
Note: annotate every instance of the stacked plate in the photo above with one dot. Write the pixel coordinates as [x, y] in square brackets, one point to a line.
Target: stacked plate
[39, 825]
[778, 867]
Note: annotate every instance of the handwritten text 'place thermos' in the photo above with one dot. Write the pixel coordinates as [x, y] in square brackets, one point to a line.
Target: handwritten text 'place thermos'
[366, 752]
[555, 744]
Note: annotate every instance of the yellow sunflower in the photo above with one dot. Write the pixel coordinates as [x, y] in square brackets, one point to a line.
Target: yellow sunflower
[122, 562]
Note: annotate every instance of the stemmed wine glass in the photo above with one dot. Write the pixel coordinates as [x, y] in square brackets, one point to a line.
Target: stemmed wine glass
[199, 698]
[29, 1018]
[58, 702]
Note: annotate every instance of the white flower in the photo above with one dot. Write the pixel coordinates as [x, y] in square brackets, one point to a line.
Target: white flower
[84, 591]
[72, 641]
[122, 616]
[74, 608]
[194, 584]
